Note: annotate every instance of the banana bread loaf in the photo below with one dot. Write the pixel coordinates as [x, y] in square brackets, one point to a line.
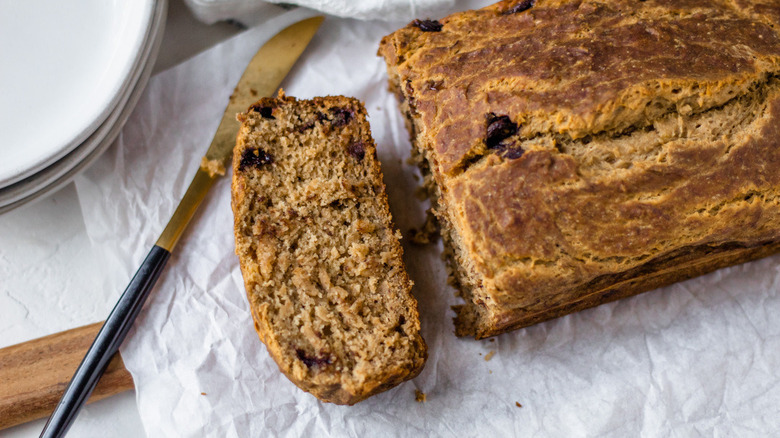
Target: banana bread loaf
[584, 151]
[320, 258]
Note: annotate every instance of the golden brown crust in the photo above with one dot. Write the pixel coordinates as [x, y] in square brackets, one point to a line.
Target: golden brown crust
[584, 151]
[577, 67]
[303, 304]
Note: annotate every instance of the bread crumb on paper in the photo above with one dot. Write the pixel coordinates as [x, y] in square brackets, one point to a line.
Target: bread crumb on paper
[428, 233]
[489, 355]
[419, 396]
[212, 167]
[202, 393]
[518, 404]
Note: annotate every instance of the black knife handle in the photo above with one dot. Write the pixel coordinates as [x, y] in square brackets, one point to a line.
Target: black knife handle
[106, 343]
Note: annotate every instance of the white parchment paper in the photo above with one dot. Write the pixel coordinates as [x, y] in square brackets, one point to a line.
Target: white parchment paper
[699, 358]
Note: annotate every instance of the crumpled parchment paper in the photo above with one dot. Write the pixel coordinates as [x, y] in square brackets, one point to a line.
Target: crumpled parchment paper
[697, 358]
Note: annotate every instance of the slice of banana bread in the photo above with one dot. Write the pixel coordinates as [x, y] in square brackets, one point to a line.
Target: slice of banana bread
[320, 257]
[581, 151]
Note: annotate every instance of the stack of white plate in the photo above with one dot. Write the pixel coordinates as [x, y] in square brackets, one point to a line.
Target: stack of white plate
[70, 74]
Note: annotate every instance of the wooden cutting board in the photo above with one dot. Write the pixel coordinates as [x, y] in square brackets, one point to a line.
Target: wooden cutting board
[34, 374]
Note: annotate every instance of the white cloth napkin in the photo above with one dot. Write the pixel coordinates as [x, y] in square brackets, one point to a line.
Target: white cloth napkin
[250, 12]
[698, 358]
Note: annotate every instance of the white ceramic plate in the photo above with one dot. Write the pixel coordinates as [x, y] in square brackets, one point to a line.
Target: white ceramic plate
[64, 66]
[62, 172]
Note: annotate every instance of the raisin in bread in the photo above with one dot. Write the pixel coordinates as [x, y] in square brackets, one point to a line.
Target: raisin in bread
[320, 258]
[582, 151]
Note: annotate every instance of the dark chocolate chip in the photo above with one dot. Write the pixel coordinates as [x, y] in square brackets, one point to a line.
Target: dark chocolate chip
[265, 111]
[316, 361]
[428, 25]
[520, 7]
[254, 157]
[305, 127]
[357, 150]
[341, 116]
[498, 128]
[514, 153]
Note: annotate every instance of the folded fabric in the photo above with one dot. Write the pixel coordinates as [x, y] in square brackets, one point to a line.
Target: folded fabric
[252, 12]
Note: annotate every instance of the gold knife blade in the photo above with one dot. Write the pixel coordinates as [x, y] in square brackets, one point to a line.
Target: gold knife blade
[261, 78]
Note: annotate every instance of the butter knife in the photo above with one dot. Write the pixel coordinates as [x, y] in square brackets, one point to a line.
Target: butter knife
[261, 78]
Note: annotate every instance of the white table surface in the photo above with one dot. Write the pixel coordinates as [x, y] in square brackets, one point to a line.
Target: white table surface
[45, 252]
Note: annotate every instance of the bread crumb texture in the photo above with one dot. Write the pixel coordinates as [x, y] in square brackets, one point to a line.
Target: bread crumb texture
[212, 167]
[428, 233]
[320, 258]
[583, 151]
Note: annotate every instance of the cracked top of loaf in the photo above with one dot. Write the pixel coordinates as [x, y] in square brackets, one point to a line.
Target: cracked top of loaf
[576, 68]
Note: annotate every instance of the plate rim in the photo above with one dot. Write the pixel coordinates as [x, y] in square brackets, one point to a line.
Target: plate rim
[32, 189]
[109, 102]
